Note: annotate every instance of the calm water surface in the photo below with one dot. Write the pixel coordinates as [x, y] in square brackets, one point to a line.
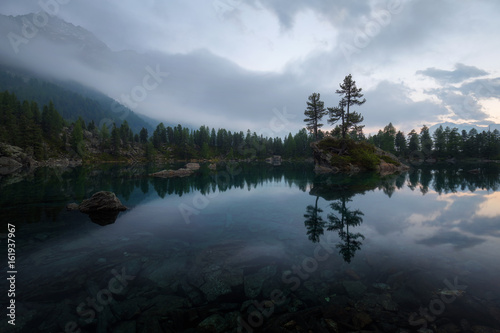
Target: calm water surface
[257, 248]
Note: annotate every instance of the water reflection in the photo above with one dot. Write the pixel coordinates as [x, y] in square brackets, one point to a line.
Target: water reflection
[452, 178]
[341, 218]
[344, 218]
[457, 239]
[235, 253]
[447, 182]
[104, 218]
[48, 190]
[314, 222]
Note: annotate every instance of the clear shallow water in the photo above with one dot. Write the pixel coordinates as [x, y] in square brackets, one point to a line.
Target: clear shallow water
[258, 248]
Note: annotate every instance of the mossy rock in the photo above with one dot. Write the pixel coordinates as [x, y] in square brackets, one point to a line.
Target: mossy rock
[352, 156]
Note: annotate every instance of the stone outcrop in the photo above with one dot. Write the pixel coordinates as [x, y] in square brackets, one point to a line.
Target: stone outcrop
[103, 207]
[274, 160]
[8, 165]
[192, 166]
[188, 170]
[173, 173]
[103, 201]
[13, 158]
[385, 168]
[324, 160]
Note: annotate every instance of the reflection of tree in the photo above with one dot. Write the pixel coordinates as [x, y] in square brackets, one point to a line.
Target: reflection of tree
[425, 180]
[450, 178]
[314, 222]
[341, 222]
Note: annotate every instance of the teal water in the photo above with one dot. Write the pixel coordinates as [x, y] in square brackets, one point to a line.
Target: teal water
[257, 248]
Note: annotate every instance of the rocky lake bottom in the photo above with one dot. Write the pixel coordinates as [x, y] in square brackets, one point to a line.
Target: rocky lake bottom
[257, 248]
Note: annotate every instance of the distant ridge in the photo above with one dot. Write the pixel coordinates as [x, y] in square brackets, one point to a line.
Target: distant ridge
[466, 127]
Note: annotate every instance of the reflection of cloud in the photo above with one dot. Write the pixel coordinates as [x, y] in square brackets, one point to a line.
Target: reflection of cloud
[458, 240]
[418, 218]
[490, 207]
[421, 218]
[481, 226]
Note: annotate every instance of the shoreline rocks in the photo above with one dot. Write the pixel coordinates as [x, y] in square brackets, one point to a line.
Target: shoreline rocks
[188, 170]
[172, 173]
[14, 159]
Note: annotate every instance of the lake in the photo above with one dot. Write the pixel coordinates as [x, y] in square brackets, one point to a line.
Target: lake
[256, 247]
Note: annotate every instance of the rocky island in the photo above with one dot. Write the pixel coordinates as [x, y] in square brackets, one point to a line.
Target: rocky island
[335, 155]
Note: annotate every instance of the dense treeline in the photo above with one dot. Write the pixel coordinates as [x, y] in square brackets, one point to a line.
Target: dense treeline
[44, 133]
[221, 143]
[26, 126]
[444, 143]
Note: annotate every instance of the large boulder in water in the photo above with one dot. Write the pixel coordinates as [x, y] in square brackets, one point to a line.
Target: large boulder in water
[103, 207]
[103, 201]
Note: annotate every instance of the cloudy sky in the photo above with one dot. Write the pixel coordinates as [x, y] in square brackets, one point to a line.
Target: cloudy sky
[252, 64]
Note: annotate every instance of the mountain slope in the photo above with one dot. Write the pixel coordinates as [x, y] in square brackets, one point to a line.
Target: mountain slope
[72, 57]
[86, 103]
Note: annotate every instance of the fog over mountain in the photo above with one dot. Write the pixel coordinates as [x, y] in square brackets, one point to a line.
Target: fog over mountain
[247, 64]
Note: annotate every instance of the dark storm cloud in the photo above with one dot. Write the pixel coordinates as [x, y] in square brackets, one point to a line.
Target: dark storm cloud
[461, 73]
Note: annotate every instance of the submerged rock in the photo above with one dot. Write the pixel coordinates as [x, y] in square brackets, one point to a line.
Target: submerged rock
[331, 325]
[253, 283]
[355, 289]
[213, 324]
[361, 319]
[72, 206]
